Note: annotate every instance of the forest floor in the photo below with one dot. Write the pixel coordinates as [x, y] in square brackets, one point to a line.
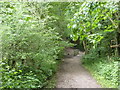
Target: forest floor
[72, 74]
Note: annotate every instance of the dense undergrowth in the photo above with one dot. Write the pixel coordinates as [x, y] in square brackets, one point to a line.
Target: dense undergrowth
[30, 46]
[104, 69]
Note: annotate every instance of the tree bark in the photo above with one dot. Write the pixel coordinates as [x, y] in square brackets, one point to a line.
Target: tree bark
[118, 31]
[85, 47]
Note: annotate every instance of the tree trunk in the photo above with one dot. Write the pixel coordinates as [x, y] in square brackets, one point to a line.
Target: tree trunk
[117, 37]
[118, 42]
[85, 47]
[118, 31]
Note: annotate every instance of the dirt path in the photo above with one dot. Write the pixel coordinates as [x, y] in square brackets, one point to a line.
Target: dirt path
[73, 75]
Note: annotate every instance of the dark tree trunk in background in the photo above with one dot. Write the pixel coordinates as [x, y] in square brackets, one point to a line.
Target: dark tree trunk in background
[118, 32]
[117, 36]
[85, 46]
[118, 42]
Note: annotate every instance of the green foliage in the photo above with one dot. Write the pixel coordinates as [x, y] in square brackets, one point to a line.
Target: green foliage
[19, 79]
[32, 39]
[105, 70]
[95, 24]
[92, 21]
[57, 10]
[30, 46]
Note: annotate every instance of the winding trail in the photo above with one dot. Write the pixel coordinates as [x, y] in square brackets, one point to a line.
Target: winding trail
[73, 75]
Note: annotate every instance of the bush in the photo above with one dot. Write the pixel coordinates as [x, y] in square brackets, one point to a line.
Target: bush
[30, 46]
[104, 69]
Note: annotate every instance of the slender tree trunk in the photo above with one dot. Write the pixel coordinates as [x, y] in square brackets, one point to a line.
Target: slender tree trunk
[118, 31]
[85, 47]
[118, 42]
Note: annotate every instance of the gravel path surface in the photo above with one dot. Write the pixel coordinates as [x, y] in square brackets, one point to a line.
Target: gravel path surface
[73, 75]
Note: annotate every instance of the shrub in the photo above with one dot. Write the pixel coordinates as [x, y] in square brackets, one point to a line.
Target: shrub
[104, 69]
[30, 46]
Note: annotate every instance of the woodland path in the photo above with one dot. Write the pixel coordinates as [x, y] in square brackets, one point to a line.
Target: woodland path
[72, 74]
